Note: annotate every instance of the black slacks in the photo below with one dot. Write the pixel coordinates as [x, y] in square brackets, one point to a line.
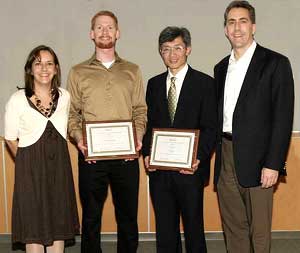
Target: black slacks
[94, 179]
[174, 194]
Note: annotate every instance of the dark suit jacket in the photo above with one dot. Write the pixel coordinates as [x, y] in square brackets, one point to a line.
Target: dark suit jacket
[196, 109]
[263, 116]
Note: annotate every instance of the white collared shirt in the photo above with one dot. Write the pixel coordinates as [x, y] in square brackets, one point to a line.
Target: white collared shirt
[235, 76]
[179, 80]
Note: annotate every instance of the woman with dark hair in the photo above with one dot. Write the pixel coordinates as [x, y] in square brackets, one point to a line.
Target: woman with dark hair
[44, 213]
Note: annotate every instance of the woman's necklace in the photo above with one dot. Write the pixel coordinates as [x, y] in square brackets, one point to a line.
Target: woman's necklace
[46, 110]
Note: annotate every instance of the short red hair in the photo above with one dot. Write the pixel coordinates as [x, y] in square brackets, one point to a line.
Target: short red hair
[103, 13]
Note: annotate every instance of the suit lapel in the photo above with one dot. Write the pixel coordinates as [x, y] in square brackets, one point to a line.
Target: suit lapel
[162, 95]
[251, 77]
[221, 75]
[183, 94]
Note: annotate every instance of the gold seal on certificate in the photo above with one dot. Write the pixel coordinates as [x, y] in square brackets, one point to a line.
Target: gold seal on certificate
[109, 140]
[173, 149]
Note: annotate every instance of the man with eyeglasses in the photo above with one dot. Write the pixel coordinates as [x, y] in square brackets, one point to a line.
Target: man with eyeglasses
[176, 193]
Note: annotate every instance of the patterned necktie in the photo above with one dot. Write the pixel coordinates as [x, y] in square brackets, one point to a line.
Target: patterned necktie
[172, 100]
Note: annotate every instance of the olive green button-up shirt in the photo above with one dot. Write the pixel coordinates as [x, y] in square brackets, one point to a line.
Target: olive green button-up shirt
[100, 94]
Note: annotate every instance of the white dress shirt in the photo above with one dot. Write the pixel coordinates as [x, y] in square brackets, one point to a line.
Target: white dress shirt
[178, 81]
[235, 76]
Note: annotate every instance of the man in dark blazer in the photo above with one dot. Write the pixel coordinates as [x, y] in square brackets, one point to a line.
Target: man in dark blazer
[176, 193]
[255, 92]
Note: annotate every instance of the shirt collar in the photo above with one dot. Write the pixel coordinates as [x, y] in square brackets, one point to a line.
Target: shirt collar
[181, 74]
[93, 60]
[246, 56]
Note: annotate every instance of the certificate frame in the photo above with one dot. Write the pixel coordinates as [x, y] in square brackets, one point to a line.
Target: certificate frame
[118, 138]
[186, 139]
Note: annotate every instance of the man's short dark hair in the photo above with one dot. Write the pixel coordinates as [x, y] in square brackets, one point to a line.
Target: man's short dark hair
[170, 33]
[240, 4]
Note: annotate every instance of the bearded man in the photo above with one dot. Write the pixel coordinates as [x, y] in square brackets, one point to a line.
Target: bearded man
[105, 88]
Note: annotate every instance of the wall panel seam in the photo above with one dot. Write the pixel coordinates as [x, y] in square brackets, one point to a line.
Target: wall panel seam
[148, 205]
[4, 186]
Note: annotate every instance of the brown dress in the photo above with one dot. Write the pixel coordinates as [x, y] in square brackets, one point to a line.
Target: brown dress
[44, 203]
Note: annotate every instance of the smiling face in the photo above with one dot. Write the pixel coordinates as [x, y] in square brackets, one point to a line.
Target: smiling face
[174, 54]
[239, 29]
[105, 32]
[43, 69]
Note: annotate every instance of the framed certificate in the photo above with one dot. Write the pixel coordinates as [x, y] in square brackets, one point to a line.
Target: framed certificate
[173, 149]
[109, 140]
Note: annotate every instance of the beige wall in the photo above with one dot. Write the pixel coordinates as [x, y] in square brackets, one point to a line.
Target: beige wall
[286, 198]
[64, 25]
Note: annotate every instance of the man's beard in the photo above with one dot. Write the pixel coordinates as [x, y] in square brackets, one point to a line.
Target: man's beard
[107, 45]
